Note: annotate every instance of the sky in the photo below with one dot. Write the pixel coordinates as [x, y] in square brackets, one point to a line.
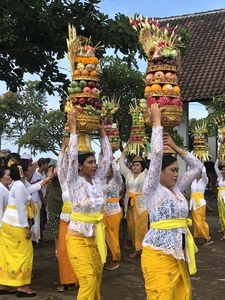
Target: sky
[161, 9]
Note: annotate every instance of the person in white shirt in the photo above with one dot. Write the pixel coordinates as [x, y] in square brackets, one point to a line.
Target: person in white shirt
[198, 208]
[16, 247]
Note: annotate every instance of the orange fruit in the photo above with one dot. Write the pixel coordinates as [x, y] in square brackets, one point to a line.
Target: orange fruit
[76, 73]
[156, 87]
[84, 72]
[176, 89]
[167, 87]
[147, 89]
[94, 73]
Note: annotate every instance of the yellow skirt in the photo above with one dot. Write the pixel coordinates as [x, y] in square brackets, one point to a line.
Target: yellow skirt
[66, 273]
[16, 259]
[112, 234]
[137, 227]
[166, 278]
[86, 262]
[201, 227]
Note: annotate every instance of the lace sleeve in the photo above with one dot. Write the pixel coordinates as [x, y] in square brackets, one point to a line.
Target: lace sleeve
[124, 169]
[152, 180]
[72, 173]
[204, 176]
[194, 169]
[116, 172]
[62, 167]
[104, 164]
[217, 170]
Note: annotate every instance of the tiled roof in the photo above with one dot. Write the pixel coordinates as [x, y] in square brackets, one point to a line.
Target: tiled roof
[203, 68]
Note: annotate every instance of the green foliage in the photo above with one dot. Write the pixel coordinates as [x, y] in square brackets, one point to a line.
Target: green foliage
[46, 134]
[120, 77]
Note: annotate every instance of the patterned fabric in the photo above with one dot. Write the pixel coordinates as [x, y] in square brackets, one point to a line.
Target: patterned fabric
[54, 221]
[163, 204]
[166, 278]
[16, 259]
[86, 262]
[86, 197]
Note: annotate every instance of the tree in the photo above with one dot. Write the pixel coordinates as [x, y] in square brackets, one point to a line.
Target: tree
[121, 78]
[22, 110]
[33, 37]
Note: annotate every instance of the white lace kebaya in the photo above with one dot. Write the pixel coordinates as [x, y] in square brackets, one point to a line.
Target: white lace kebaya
[162, 204]
[86, 197]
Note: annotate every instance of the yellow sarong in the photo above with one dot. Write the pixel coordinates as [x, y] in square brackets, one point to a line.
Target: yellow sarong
[221, 208]
[134, 201]
[197, 196]
[67, 207]
[100, 230]
[181, 223]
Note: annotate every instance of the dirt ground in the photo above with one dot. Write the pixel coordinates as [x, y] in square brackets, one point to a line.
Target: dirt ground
[127, 282]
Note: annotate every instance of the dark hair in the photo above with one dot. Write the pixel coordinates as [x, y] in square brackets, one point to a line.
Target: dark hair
[2, 170]
[43, 161]
[14, 156]
[83, 157]
[143, 166]
[167, 161]
[14, 170]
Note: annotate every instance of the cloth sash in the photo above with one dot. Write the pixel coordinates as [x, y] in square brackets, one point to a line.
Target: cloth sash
[220, 188]
[197, 196]
[181, 223]
[134, 201]
[67, 207]
[31, 209]
[96, 218]
[115, 199]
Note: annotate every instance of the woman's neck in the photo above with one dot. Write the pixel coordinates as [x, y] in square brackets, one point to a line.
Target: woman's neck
[87, 178]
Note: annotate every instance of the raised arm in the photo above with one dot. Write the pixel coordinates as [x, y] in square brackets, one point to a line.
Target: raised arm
[72, 173]
[62, 165]
[153, 176]
[104, 164]
[217, 170]
[204, 176]
[123, 167]
[116, 172]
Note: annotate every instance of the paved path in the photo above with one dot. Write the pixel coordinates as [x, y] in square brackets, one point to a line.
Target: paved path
[127, 282]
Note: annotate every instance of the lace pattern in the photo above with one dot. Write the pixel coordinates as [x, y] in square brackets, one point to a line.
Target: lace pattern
[162, 204]
[85, 197]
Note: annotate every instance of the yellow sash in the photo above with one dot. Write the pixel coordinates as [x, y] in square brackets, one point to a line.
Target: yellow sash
[181, 223]
[197, 196]
[100, 231]
[31, 209]
[134, 201]
[67, 207]
[110, 200]
[220, 188]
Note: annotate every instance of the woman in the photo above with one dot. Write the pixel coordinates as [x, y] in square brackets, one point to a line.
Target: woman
[16, 258]
[163, 260]
[67, 277]
[85, 236]
[221, 196]
[54, 206]
[5, 181]
[198, 208]
[135, 209]
[111, 189]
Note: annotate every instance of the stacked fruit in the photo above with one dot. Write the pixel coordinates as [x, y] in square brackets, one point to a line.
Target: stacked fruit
[200, 147]
[109, 108]
[137, 141]
[162, 47]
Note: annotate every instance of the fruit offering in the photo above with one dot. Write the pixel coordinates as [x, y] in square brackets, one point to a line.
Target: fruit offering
[83, 91]
[162, 47]
[200, 147]
[220, 122]
[137, 141]
[109, 108]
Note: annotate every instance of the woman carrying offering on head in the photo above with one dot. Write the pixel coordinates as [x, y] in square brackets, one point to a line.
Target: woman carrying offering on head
[85, 235]
[168, 242]
[135, 208]
[198, 208]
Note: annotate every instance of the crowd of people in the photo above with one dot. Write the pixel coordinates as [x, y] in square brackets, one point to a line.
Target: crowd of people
[86, 202]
